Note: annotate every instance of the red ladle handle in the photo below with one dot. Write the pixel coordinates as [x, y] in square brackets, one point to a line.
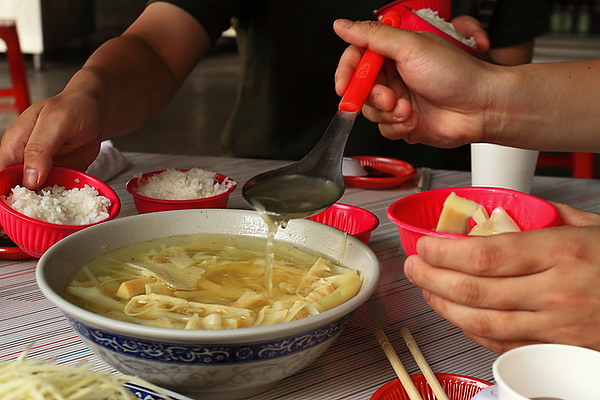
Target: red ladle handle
[366, 72]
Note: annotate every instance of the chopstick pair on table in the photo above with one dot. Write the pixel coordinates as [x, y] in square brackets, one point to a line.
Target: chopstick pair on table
[401, 372]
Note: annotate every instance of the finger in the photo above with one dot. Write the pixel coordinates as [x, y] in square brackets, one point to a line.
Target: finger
[500, 330]
[39, 151]
[15, 138]
[470, 27]
[493, 325]
[346, 67]
[385, 40]
[573, 216]
[391, 90]
[525, 293]
[508, 254]
[401, 128]
[381, 98]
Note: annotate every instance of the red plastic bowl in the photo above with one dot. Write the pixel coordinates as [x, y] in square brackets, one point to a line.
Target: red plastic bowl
[354, 220]
[34, 237]
[398, 172]
[413, 22]
[457, 387]
[417, 215]
[145, 204]
[443, 7]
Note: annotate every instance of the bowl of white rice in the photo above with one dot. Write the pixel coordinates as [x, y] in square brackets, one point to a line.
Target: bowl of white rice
[430, 20]
[178, 189]
[68, 201]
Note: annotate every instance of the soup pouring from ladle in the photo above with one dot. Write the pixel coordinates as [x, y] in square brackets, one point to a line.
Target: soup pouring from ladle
[312, 184]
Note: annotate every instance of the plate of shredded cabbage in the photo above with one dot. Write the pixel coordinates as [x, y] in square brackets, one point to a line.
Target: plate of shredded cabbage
[26, 379]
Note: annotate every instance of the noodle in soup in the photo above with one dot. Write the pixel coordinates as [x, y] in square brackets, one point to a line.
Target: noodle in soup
[207, 281]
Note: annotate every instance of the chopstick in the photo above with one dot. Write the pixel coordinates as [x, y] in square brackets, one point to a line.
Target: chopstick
[424, 182]
[405, 379]
[435, 385]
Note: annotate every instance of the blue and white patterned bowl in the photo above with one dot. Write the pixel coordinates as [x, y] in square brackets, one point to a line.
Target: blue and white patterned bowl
[219, 364]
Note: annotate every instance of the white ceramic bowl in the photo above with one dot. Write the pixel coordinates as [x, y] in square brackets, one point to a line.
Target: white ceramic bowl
[211, 364]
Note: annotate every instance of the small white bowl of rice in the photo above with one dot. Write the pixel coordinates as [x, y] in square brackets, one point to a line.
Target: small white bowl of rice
[178, 189]
[68, 201]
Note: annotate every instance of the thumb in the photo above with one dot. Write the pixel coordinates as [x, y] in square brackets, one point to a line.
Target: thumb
[380, 38]
[412, 51]
[573, 216]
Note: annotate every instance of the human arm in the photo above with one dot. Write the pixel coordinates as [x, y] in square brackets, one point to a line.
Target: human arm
[513, 289]
[433, 93]
[127, 80]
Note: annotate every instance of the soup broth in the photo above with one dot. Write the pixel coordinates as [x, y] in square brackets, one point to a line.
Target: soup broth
[207, 281]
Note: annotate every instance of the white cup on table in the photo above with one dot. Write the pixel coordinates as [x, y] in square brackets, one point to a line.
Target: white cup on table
[502, 166]
[548, 371]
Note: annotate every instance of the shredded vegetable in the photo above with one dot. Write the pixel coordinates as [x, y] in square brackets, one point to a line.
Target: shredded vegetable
[30, 379]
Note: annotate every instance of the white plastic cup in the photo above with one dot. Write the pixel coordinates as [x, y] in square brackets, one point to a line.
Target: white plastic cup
[548, 371]
[502, 166]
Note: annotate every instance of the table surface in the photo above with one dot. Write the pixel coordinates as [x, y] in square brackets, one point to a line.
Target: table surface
[355, 366]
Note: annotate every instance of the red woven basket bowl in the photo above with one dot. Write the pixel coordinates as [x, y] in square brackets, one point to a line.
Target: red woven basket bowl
[34, 237]
[354, 220]
[457, 387]
[417, 215]
[145, 204]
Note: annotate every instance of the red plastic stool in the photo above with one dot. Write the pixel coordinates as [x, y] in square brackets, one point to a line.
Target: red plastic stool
[580, 164]
[16, 66]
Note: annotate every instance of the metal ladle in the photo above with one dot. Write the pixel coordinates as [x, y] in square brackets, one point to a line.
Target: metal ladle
[312, 184]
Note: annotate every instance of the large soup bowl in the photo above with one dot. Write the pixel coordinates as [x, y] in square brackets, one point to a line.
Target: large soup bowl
[209, 364]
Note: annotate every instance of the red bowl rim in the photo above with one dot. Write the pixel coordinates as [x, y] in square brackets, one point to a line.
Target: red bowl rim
[390, 211]
[342, 206]
[133, 184]
[386, 183]
[421, 378]
[13, 253]
[114, 210]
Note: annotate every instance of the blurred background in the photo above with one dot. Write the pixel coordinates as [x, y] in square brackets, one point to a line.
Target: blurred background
[58, 35]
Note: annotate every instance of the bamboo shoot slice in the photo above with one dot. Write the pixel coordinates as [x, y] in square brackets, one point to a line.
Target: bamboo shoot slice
[456, 213]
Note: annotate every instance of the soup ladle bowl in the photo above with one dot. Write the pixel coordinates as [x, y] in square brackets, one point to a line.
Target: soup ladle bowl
[315, 182]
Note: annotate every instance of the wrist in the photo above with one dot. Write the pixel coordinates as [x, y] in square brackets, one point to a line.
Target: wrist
[501, 84]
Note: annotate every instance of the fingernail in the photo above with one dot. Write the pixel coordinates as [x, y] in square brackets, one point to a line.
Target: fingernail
[426, 295]
[344, 23]
[397, 118]
[408, 267]
[30, 177]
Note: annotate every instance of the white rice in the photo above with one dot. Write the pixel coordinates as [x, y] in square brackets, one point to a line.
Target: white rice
[175, 184]
[434, 19]
[58, 205]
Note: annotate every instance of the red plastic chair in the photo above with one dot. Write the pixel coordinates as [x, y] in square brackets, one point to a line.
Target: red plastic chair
[580, 164]
[19, 90]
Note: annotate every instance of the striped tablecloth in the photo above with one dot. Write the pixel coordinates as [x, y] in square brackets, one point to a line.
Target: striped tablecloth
[355, 366]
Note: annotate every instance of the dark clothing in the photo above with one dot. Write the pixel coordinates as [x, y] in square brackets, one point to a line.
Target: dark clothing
[289, 53]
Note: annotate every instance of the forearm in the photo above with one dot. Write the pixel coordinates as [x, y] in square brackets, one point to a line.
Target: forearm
[552, 107]
[129, 82]
[136, 74]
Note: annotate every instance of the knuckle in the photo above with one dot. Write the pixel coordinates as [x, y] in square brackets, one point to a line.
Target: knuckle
[484, 258]
[468, 292]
